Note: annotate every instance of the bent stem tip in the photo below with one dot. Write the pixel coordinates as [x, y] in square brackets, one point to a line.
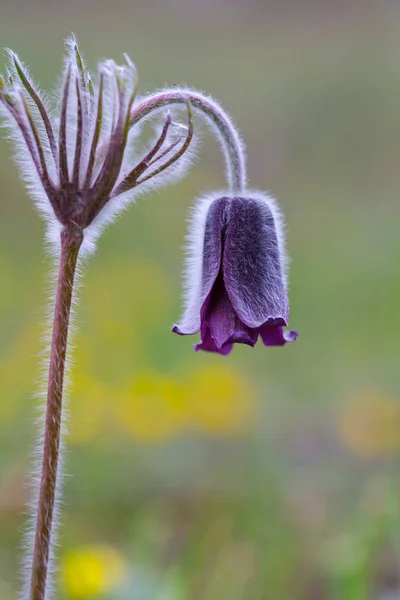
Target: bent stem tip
[232, 145]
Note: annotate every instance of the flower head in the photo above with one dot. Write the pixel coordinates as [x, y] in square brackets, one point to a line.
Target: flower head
[236, 279]
[75, 158]
[93, 571]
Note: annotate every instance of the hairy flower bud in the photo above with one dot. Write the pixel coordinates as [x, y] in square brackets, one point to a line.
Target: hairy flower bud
[235, 277]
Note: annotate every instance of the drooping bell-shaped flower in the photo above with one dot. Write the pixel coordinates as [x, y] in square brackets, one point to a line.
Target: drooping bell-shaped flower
[236, 282]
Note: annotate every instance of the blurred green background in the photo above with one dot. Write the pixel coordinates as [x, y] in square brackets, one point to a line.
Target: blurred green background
[274, 473]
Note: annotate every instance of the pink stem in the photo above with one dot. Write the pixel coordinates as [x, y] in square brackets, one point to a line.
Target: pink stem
[70, 245]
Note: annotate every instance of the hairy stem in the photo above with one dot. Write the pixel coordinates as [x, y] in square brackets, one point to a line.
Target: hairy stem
[70, 245]
[215, 114]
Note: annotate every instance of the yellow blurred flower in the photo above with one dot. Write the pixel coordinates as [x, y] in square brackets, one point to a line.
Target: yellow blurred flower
[214, 399]
[221, 399]
[152, 408]
[155, 407]
[92, 571]
[369, 424]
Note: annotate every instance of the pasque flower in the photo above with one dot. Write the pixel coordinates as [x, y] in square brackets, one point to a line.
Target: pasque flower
[80, 160]
[235, 277]
[78, 157]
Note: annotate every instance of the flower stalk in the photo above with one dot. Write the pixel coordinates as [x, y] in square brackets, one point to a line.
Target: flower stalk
[71, 241]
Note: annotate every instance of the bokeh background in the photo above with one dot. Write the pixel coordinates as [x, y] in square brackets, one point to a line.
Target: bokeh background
[274, 473]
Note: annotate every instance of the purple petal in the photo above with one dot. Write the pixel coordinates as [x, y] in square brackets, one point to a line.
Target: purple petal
[207, 343]
[244, 336]
[272, 334]
[220, 323]
[252, 264]
[209, 263]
